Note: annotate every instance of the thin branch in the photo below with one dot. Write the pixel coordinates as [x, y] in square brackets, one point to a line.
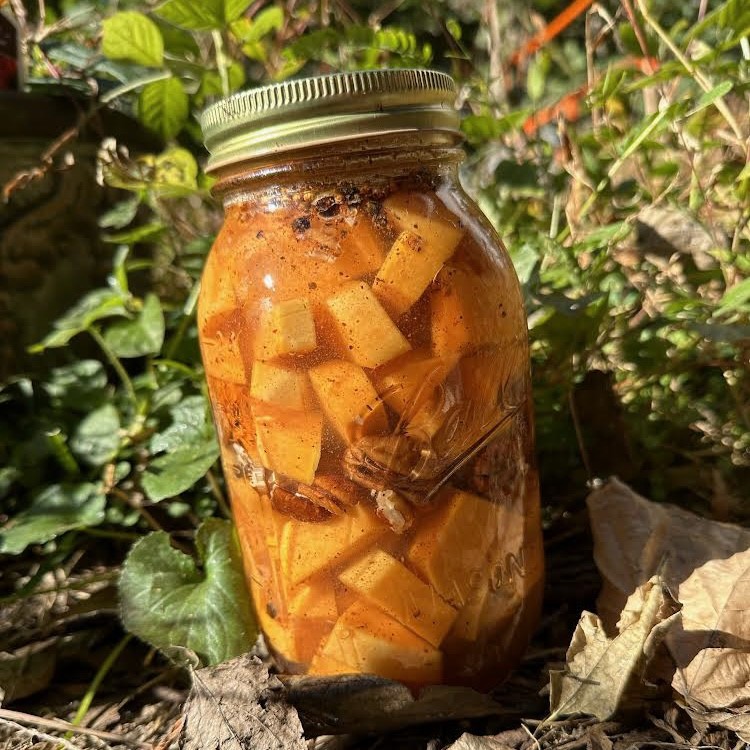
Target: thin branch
[14, 719]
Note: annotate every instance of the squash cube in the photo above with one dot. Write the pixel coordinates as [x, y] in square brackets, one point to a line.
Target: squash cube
[371, 337]
[449, 549]
[327, 667]
[309, 548]
[408, 382]
[384, 582]
[287, 328]
[289, 442]
[280, 386]
[426, 217]
[349, 400]
[408, 269]
[312, 614]
[362, 248]
[370, 641]
[220, 349]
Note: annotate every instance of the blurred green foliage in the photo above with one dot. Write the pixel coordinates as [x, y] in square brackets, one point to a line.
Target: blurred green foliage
[565, 150]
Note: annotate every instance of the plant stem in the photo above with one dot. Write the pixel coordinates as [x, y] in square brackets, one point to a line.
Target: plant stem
[116, 365]
[88, 698]
[221, 61]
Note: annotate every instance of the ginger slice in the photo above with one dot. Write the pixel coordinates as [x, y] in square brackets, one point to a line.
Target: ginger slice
[365, 328]
[349, 399]
[370, 641]
[389, 585]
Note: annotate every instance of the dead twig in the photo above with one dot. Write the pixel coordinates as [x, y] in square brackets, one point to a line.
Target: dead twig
[15, 719]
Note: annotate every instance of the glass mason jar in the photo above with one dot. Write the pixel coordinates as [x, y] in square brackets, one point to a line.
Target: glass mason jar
[366, 352]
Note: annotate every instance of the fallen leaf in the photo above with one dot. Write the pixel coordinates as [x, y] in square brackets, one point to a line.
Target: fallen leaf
[712, 648]
[471, 742]
[367, 703]
[635, 538]
[735, 721]
[600, 668]
[237, 705]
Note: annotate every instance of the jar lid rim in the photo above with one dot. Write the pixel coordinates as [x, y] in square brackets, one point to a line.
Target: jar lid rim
[327, 108]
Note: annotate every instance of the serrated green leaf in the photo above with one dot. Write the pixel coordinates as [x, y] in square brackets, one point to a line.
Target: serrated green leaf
[168, 601]
[97, 437]
[130, 35]
[173, 473]
[139, 337]
[191, 423]
[53, 511]
[96, 305]
[163, 107]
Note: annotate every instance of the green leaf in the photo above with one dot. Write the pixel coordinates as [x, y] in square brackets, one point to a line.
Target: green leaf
[78, 386]
[53, 511]
[139, 337]
[96, 305]
[97, 437]
[202, 16]
[735, 298]
[163, 107]
[191, 424]
[211, 82]
[130, 35]
[121, 214]
[175, 173]
[173, 473]
[168, 600]
[136, 234]
[709, 97]
[254, 29]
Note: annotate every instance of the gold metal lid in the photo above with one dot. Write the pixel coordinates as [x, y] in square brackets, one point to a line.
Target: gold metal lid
[324, 109]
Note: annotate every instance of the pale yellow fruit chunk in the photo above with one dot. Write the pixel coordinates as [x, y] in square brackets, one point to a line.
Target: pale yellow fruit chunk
[449, 548]
[408, 382]
[387, 584]
[287, 328]
[427, 217]
[309, 548]
[289, 441]
[408, 269]
[279, 635]
[362, 249]
[349, 399]
[371, 641]
[279, 385]
[312, 614]
[367, 332]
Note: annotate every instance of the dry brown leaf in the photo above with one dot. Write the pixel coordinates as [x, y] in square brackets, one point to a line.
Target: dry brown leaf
[237, 705]
[712, 648]
[735, 721]
[635, 538]
[472, 742]
[600, 668]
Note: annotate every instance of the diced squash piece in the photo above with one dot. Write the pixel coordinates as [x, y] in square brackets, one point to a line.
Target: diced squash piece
[220, 349]
[426, 217]
[389, 585]
[325, 666]
[449, 548]
[467, 314]
[411, 264]
[217, 295]
[279, 385]
[289, 441]
[428, 420]
[287, 328]
[409, 381]
[309, 548]
[349, 399]
[368, 333]
[362, 249]
[312, 614]
[370, 641]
